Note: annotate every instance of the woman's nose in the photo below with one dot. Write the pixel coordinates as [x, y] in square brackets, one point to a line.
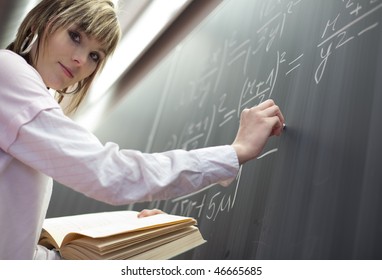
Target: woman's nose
[79, 57]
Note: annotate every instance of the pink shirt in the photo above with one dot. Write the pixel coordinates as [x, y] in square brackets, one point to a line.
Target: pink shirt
[38, 143]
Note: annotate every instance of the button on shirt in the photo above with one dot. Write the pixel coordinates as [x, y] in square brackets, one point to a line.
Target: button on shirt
[38, 143]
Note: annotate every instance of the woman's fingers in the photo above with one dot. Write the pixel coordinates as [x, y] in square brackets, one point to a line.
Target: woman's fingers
[257, 124]
[149, 212]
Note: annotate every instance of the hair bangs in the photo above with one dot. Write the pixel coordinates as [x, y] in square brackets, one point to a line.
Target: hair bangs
[104, 28]
[97, 21]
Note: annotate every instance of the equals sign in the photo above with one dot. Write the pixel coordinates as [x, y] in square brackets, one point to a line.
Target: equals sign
[227, 117]
[292, 64]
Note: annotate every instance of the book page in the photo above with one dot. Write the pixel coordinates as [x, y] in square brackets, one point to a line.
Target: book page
[105, 224]
[147, 248]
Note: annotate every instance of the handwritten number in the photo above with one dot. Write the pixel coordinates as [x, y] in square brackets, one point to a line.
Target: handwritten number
[321, 68]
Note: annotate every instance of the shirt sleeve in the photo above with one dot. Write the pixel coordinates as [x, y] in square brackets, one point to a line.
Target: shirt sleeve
[22, 96]
[55, 145]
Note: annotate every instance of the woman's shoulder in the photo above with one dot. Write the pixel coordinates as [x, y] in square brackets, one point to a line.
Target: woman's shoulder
[7, 55]
[12, 61]
[14, 65]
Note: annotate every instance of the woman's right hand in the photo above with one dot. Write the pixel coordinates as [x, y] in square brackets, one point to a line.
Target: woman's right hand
[257, 124]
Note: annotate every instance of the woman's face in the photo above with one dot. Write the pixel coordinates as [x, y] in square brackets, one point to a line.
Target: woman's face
[67, 57]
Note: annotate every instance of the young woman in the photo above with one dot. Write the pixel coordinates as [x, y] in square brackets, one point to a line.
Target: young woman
[62, 45]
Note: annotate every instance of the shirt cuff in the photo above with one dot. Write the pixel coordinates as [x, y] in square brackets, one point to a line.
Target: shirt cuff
[221, 162]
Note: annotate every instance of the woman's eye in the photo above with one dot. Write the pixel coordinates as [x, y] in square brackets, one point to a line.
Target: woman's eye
[75, 36]
[95, 56]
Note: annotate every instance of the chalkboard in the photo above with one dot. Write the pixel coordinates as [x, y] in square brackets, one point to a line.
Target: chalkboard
[316, 191]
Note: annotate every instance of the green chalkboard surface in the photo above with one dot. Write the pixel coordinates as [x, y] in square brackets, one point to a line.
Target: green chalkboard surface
[316, 191]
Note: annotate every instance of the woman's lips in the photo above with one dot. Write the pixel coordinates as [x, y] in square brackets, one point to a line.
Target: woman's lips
[67, 71]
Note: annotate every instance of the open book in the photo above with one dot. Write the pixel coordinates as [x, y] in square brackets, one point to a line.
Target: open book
[120, 235]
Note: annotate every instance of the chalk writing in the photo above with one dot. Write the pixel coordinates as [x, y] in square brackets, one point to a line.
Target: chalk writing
[267, 153]
[221, 107]
[294, 64]
[194, 133]
[274, 27]
[210, 205]
[347, 33]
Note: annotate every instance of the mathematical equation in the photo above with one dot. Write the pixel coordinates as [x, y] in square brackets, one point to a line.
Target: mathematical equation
[210, 205]
[254, 90]
[215, 108]
[336, 35]
[219, 110]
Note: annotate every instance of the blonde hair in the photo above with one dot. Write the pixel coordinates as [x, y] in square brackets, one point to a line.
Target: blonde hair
[97, 18]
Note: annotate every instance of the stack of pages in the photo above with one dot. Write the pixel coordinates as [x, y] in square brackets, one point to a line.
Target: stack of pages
[120, 235]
